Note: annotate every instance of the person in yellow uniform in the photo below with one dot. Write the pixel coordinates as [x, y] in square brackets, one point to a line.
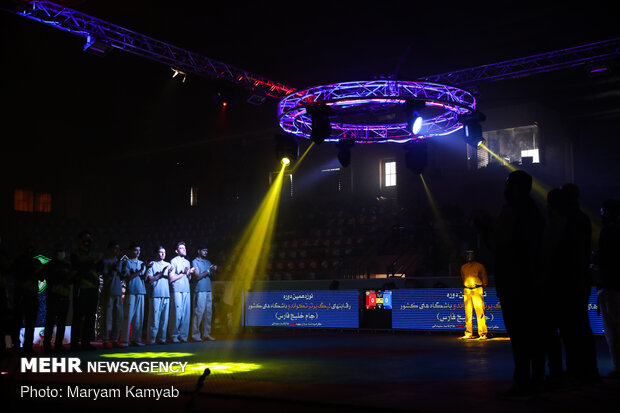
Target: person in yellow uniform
[474, 277]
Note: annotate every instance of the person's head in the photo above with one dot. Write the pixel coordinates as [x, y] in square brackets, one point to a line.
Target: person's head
[470, 255]
[556, 201]
[134, 250]
[114, 249]
[161, 253]
[571, 192]
[202, 250]
[610, 211]
[85, 240]
[518, 185]
[60, 251]
[181, 249]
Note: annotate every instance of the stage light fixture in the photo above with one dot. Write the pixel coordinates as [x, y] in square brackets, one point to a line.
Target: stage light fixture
[287, 148]
[257, 98]
[177, 72]
[96, 46]
[416, 156]
[220, 99]
[321, 126]
[472, 130]
[344, 152]
[414, 118]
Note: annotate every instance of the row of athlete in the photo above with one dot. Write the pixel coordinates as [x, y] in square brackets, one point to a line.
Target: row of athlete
[179, 296]
[174, 304]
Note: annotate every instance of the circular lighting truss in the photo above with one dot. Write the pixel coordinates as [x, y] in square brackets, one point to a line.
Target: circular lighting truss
[376, 111]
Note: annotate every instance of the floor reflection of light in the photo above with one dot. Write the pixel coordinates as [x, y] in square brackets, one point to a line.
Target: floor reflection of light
[147, 355]
[196, 369]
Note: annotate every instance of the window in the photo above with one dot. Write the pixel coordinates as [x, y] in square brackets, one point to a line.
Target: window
[193, 196]
[389, 173]
[532, 153]
[23, 200]
[43, 202]
[29, 201]
[511, 145]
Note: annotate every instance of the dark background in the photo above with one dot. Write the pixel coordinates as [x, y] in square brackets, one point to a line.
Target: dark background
[116, 140]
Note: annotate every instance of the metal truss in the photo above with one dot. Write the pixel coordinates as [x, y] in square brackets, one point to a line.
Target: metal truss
[102, 36]
[443, 105]
[575, 56]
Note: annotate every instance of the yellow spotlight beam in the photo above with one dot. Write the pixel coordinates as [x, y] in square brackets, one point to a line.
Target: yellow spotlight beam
[252, 251]
[443, 230]
[302, 157]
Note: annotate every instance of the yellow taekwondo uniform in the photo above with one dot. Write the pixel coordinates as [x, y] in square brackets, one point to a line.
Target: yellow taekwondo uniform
[474, 277]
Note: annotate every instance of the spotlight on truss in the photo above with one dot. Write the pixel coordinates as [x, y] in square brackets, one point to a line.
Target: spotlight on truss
[414, 118]
[287, 148]
[96, 47]
[177, 72]
[344, 151]
[472, 131]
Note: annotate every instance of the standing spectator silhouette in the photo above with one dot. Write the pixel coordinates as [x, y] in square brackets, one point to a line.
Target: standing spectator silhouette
[516, 240]
[27, 272]
[86, 265]
[609, 280]
[112, 296]
[554, 269]
[7, 305]
[57, 273]
[581, 362]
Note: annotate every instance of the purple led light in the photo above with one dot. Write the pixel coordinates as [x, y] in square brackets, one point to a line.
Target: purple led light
[444, 104]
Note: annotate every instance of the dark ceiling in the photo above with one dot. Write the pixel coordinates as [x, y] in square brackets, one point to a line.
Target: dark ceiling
[60, 100]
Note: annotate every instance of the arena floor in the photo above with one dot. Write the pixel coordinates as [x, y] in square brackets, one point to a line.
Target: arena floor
[302, 371]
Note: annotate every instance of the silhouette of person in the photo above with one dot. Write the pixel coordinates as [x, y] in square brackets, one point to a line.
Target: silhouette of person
[554, 269]
[609, 280]
[581, 360]
[515, 238]
[86, 266]
[474, 277]
[112, 296]
[27, 272]
[7, 307]
[57, 273]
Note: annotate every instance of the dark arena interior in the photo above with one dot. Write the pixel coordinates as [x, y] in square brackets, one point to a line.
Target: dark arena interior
[336, 281]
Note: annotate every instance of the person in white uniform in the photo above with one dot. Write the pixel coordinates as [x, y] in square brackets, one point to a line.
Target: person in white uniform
[134, 271]
[180, 308]
[157, 273]
[202, 296]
